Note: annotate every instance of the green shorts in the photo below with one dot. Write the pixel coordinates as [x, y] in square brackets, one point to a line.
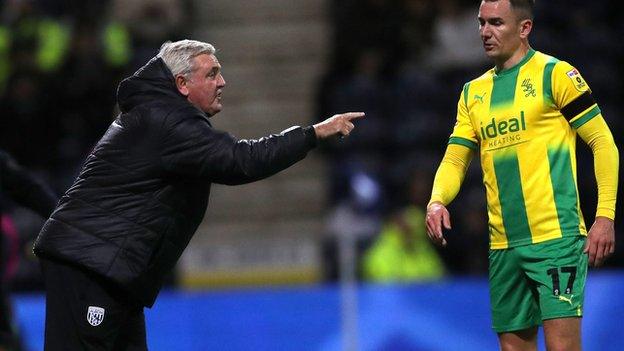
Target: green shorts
[532, 283]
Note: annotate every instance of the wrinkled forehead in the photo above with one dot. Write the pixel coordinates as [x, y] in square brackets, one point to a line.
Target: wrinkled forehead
[205, 62]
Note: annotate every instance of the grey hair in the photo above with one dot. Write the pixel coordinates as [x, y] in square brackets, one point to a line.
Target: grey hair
[178, 55]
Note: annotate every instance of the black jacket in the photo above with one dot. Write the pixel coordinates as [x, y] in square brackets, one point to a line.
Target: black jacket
[144, 189]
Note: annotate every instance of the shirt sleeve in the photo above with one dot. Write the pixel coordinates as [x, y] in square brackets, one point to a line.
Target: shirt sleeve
[463, 132]
[572, 95]
[459, 152]
[597, 135]
[450, 174]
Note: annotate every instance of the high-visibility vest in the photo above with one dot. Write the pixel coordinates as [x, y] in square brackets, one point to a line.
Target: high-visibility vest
[389, 260]
[53, 43]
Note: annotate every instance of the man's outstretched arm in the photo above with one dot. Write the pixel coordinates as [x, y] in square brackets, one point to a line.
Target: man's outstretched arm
[192, 147]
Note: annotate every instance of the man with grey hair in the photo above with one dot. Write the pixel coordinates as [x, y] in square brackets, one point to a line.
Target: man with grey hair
[142, 193]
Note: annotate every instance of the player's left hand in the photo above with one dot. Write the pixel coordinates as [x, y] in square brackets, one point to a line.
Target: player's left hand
[600, 241]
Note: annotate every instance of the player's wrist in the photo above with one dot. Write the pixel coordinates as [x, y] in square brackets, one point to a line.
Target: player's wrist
[604, 219]
[434, 202]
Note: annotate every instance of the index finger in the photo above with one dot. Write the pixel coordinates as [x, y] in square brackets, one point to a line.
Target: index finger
[353, 115]
[440, 241]
[601, 253]
[446, 220]
[591, 251]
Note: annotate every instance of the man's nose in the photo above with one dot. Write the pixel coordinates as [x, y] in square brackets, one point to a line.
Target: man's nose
[485, 31]
[221, 81]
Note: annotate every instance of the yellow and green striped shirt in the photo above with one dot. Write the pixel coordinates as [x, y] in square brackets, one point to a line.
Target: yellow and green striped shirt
[523, 123]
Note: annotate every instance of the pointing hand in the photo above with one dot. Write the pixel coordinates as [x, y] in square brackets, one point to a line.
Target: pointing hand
[337, 124]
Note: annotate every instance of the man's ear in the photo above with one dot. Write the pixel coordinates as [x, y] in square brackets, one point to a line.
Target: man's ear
[181, 81]
[525, 28]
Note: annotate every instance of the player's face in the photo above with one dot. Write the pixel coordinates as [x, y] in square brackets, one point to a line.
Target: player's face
[500, 30]
[205, 84]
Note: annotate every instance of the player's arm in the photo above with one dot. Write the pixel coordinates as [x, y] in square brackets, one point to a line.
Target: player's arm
[585, 116]
[451, 172]
[601, 236]
[446, 185]
[597, 135]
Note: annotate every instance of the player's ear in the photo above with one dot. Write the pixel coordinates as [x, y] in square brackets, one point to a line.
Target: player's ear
[525, 28]
[181, 84]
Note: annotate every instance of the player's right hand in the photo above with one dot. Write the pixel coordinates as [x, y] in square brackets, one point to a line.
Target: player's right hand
[437, 216]
[337, 124]
[600, 242]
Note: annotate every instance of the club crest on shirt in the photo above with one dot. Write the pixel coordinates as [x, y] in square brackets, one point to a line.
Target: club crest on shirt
[95, 315]
[527, 88]
[577, 80]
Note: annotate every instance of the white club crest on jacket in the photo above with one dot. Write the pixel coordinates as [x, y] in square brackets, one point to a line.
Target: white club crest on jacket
[95, 315]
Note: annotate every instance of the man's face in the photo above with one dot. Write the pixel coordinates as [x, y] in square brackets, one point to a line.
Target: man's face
[204, 84]
[500, 29]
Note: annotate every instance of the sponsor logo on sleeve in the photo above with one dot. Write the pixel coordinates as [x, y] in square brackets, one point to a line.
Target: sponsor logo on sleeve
[577, 80]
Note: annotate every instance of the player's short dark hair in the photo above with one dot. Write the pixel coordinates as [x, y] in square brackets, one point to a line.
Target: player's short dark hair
[523, 8]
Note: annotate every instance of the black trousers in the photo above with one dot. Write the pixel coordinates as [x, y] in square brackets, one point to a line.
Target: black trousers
[87, 312]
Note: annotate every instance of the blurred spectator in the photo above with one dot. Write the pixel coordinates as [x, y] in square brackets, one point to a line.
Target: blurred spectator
[151, 22]
[456, 42]
[33, 47]
[60, 75]
[364, 147]
[402, 251]
[416, 28]
[364, 25]
[353, 221]
[99, 56]
[30, 40]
